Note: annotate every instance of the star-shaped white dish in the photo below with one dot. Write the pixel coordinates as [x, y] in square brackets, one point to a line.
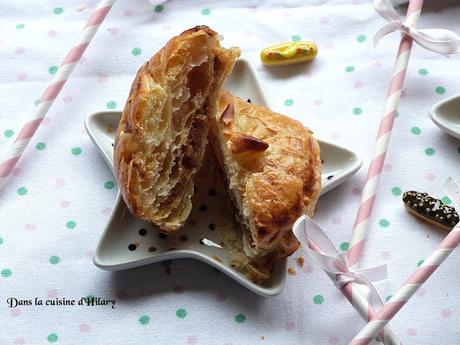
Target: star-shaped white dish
[128, 242]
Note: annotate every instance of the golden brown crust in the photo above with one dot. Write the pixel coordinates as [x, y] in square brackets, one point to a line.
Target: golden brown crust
[274, 186]
[161, 136]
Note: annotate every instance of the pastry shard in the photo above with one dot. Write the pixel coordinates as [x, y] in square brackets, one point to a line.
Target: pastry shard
[273, 169]
[162, 135]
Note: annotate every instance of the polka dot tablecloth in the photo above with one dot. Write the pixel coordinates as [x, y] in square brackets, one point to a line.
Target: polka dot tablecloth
[60, 196]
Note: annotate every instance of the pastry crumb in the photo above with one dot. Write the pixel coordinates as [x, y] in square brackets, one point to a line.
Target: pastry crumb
[291, 271]
[300, 261]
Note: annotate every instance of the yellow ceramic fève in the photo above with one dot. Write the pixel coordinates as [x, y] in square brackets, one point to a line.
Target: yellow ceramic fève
[288, 53]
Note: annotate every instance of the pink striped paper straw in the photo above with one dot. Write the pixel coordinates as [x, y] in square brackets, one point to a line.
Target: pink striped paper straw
[415, 281]
[361, 227]
[52, 91]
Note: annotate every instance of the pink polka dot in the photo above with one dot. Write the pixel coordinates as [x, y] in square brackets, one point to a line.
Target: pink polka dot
[19, 50]
[412, 332]
[289, 326]
[359, 84]
[59, 183]
[128, 13]
[84, 328]
[378, 63]
[178, 289]
[89, 254]
[46, 120]
[420, 292]
[318, 102]
[22, 76]
[52, 293]
[83, 131]
[17, 172]
[31, 226]
[67, 99]
[191, 339]
[356, 191]
[113, 31]
[403, 94]
[447, 313]
[121, 294]
[336, 220]
[102, 78]
[64, 204]
[252, 8]
[324, 20]
[221, 297]
[430, 176]
[307, 268]
[52, 33]
[249, 33]
[335, 135]
[15, 312]
[329, 46]
[385, 254]
[166, 27]
[334, 340]
[106, 211]
[387, 167]
[19, 341]
[285, 14]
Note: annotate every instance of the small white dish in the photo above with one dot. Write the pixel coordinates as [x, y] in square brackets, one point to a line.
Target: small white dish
[123, 231]
[446, 115]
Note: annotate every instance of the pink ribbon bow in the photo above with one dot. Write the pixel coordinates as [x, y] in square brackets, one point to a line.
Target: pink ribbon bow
[437, 40]
[335, 264]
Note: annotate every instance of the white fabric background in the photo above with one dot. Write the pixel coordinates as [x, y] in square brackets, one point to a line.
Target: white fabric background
[62, 186]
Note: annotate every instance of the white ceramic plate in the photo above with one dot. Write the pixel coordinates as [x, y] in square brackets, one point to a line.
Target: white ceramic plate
[129, 242]
[446, 115]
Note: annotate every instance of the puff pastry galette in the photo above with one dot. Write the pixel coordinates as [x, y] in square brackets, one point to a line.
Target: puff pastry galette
[162, 135]
[273, 169]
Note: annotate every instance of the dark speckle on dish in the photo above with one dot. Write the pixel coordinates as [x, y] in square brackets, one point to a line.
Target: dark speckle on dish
[132, 247]
[163, 236]
[330, 177]
[142, 232]
[249, 100]
[183, 238]
[152, 249]
[203, 208]
[212, 226]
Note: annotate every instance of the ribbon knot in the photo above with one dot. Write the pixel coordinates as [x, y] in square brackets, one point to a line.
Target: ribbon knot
[321, 251]
[343, 278]
[437, 40]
